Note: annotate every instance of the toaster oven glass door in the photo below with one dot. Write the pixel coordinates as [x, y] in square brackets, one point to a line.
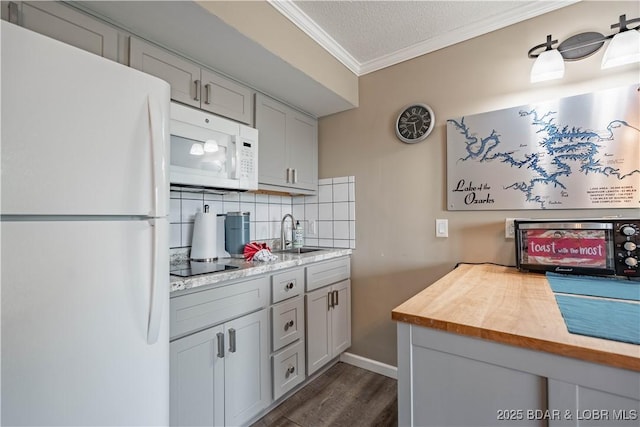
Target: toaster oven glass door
[575, 247]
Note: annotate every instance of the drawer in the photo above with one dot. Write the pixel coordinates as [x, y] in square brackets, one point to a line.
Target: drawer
[328, 272]
[287, 322]
[193, 312]
[288, 369]
[287, 285]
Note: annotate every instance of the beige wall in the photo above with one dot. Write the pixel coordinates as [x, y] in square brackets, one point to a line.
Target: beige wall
[400, 189]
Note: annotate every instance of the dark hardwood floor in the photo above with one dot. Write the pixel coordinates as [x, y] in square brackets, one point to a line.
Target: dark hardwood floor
[344, 395]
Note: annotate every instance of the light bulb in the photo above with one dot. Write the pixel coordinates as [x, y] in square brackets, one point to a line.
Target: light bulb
[196, 149]
[211, 146]
[548, 66]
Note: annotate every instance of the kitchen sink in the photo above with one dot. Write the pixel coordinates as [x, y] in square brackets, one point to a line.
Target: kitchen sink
[299, 250]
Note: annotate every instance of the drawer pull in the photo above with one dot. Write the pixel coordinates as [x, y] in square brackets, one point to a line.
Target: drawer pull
[290, 370]
[196, 84]
[220, 336]
[289, 286]
[232, 340]
[288, 325]
[207, 92]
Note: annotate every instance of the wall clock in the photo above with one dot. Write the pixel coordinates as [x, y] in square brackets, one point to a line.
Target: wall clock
[414, 123]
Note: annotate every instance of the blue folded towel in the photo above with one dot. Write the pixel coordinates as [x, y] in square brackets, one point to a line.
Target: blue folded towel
[601, 318]
[607, 287]
[599, 307]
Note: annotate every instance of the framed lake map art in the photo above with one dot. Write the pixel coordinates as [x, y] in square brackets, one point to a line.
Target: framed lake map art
[579, 152]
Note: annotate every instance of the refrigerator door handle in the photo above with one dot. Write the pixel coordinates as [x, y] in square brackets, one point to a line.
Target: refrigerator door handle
[157, 137]
[159, 278]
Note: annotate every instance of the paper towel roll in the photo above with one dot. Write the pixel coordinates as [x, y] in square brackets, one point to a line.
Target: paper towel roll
[204, 243]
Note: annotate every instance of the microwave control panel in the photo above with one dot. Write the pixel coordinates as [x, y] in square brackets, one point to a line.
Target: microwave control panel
[247, 161]
[627, 247]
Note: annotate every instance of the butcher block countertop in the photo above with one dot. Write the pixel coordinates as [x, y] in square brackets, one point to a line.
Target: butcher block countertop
[507, 306]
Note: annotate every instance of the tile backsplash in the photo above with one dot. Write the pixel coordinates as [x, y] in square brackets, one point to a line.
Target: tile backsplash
[328, 217]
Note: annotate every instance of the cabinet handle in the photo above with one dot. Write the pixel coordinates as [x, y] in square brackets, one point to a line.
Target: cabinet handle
[197, 87]
[207, 93]
[232, 340]
[289, 286]
[220, 336]
[288, 325]
[336, 302]
[13, 12]
[329, 301]
[290, 370]
[295, 176]
[288, 175]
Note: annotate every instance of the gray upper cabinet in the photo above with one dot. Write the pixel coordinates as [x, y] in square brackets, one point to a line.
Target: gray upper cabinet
[191, 84]
[182, 75]
[288, 148]
[63, 23]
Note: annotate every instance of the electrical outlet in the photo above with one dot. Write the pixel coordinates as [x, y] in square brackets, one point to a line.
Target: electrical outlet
[509, 228]
[311, 228]
[442, 228]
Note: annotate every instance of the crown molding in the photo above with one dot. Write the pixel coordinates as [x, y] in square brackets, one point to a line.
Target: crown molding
[309, 27]
[313, 30]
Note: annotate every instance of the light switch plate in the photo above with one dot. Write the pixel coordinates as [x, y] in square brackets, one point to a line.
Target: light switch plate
[442, 228]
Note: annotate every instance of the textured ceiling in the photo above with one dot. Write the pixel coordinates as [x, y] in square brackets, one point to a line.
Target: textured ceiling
[369, 35]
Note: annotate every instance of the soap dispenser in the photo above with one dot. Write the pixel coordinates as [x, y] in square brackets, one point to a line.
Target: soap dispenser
[298, 235]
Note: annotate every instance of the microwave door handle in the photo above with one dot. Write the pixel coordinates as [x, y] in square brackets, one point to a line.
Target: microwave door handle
[235, 159]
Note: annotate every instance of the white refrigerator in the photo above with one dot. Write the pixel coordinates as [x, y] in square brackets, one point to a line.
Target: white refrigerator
[84, 237]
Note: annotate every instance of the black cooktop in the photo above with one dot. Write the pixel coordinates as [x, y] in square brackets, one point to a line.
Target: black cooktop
[195, 268]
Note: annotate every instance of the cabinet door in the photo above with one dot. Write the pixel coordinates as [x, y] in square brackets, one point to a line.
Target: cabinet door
[225, 97]
[183, 76]
[318, 329]
[271, 122]
[302, 150]
[69, 26]
[341, 318]
[197, 379]
[247, 375]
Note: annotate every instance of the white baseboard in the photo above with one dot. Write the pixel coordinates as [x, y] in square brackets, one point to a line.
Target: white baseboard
[370, 365]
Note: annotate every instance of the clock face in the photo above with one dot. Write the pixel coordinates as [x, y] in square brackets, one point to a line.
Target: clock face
[415, 123]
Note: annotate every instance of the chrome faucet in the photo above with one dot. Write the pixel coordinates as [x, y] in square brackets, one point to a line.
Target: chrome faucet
[283, 240]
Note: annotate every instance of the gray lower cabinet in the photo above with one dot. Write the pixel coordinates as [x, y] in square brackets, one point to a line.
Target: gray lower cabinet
[328, 311]
[446, 379]
[328, 324]
[191, 84]
[219, 376]
[219, 361]
[288, 147]
[287, 331]
[66, 24]
[197, 380]
[237, 348]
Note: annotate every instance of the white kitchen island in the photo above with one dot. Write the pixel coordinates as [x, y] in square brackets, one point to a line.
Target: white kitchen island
[487, 346]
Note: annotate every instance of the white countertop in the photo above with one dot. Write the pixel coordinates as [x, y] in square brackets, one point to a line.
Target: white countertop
[250, 268]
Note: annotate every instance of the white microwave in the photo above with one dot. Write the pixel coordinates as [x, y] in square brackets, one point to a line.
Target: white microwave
[209, 151]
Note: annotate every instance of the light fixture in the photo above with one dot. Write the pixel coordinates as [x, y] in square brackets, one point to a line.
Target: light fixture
[549, 64]
[197, 149]
[623, 49]
[211, 146]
